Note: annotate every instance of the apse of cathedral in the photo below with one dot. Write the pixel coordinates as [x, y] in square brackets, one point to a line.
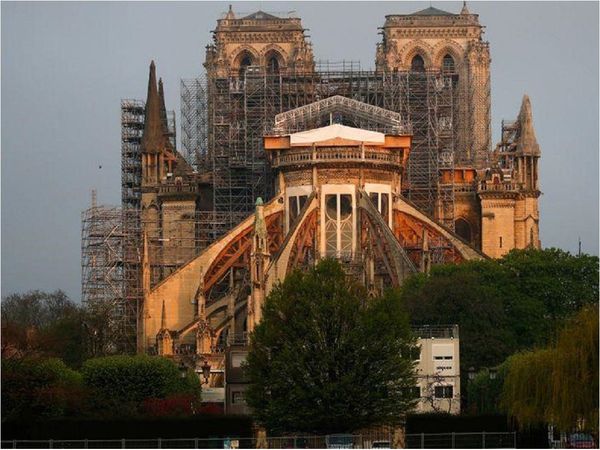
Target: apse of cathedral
[379, 182]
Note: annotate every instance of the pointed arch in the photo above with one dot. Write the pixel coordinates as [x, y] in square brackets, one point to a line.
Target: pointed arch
[244, 55]
[273, 53]
[450, 48]
[463, 228]
[414, 48]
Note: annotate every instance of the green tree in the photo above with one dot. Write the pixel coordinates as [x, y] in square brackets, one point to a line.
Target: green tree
[460, 294]
[326, 359]
[44, 324]
[503, 306]
[125, 381]
[559, 281]
[558, 384]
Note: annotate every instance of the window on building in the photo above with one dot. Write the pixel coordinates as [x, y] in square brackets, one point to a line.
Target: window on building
[444, 392]
[339, 225]
[500, 241]
[381, 201]
[443, 358]
[295, 205]
[412, 392]
[463, 229]
[448, 64]
[238, 398]
[245, 61]
[272, 63]
[417, 64]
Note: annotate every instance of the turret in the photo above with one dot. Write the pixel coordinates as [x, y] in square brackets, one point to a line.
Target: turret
[157, 151]
[527, 150]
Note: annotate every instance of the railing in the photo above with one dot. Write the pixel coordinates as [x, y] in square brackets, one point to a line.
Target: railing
[176, 188]
[376, 440]
[436, 331]
[507, 187]
[336, 154]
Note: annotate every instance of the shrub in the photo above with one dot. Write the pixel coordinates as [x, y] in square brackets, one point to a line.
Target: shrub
[133, 379]
[35, 388]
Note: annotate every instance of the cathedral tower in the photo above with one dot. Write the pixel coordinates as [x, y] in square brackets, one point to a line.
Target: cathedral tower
[433, 40]
[259, 41]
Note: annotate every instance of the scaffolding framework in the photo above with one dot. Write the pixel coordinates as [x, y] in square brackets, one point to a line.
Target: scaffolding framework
[224, 119]
[103, 275]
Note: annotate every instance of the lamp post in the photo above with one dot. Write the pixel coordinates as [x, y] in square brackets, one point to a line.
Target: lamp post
[205, 371]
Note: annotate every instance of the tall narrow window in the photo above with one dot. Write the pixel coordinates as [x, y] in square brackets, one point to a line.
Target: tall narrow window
[346, 225]
[500, 241]
[331, 217]
[295, 205]
[417, 64]
[273, 64]
[463, 229]
[448, 64]
[339, 225]
[244, 63]
[384, 207]
[292, 210]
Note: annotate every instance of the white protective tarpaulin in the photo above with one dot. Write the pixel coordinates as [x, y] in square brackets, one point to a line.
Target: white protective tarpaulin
[336, 131]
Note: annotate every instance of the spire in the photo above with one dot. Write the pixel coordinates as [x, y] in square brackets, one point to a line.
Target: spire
[465, 10]
[526, 140]
[260, 227]
[230, 14]
[163, 113]
[153, 139]
[163, 108]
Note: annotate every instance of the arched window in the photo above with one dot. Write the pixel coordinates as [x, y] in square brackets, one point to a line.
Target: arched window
[463, 229]
[272, 63]
[245, 61]
[448, 64]
[417, 64]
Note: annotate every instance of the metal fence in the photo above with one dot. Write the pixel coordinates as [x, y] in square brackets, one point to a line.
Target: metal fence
[422, 440]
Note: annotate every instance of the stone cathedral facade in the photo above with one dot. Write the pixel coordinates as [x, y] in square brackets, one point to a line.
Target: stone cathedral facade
[339, 179]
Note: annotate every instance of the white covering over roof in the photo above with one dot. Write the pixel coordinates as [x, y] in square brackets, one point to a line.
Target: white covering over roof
[336, 131]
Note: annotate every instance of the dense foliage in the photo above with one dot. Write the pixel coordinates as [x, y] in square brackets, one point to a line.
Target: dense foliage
[49, 324]
[132, 379]
[117, 386]
[34, 388]
[503, 306]
[558, 384]
[326, 359]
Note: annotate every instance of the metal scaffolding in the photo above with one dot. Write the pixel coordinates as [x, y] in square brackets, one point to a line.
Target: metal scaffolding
[103, 275]
[224, 119]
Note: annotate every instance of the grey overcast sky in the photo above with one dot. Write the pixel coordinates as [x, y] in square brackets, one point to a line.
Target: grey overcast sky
[65, 66]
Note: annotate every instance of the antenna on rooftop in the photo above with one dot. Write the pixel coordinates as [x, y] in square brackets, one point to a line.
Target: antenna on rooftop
[579, 252]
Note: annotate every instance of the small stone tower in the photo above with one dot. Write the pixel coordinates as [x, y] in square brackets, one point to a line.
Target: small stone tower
[510, 191]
